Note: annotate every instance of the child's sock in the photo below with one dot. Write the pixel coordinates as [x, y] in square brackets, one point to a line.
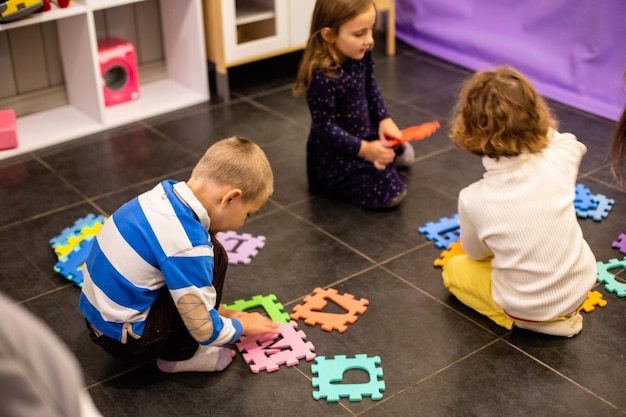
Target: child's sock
[407, 157]
[206, 359]
[566, 326]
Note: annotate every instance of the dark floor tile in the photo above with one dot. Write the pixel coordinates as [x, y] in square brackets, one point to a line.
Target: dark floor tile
[449, 171]
[284, 102]
[108, 162]
[28, 188]
[235, 391]
[496, 381]
[417, 267]
[27, 257]
[198, 130]
[287, 157]
[413, 334]
[296, 258]
[379, 235]
[594, 359]
[440, 103]
[420, 77]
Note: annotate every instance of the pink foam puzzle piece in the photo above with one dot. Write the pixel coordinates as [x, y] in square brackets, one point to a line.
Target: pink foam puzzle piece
[287, 348]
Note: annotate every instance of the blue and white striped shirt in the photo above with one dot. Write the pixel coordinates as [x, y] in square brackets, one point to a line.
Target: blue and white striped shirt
[159, 238]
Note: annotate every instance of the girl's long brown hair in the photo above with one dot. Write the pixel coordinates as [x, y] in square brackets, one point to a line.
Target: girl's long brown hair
[320, 54]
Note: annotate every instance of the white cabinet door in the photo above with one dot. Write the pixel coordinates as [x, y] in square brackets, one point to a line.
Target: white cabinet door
[253, 28]
[300, 14]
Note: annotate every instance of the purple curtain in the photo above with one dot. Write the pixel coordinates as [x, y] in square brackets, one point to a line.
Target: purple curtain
[573, 51]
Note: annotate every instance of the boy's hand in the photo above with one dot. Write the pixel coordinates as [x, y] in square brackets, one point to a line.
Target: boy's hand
[257, 324]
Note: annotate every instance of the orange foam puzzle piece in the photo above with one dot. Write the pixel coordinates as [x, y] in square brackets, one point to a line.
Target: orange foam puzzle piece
[594, 298]
[418, 132]
[454, 249]
[311, 312]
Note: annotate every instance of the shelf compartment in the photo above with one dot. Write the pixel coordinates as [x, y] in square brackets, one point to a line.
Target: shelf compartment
[173, 74]
[249, 12]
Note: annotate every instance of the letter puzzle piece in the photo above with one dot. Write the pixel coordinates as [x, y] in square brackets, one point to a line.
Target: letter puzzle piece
[241, 248]
[453, 250]
[620, 243]
[443, 232]
[311, 312]
[594, 298]
[73, 244]
[330, 373]
[273, 308]
[610, 281]
[288, 347]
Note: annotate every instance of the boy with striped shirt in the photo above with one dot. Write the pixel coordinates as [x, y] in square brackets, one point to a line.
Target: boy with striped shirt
[153, 281]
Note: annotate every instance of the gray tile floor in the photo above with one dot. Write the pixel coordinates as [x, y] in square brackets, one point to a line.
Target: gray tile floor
[439, 358]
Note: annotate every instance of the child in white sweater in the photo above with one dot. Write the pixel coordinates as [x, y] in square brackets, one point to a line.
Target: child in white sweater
[526, 263]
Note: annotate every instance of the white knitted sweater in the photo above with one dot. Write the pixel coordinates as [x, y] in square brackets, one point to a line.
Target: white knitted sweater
[522, 213]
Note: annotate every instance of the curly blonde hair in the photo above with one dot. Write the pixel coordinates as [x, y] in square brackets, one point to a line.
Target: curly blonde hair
[319, 54]
[499, 114]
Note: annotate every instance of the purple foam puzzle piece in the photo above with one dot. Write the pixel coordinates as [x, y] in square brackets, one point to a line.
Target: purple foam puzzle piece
[620, 243]
[241, 248]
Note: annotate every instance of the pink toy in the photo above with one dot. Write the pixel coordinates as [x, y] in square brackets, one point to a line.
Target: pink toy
[8, 129]
[620, 243]
[270, 354]
[118, 65]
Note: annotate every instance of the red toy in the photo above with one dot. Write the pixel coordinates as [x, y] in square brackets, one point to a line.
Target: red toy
[61, 3]
[418, 132]
[118, 65]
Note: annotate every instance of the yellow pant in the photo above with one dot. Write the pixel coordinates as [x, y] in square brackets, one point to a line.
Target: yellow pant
[470, 282]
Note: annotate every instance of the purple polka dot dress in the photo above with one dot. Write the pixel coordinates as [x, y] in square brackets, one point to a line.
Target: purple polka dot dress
[344, 111]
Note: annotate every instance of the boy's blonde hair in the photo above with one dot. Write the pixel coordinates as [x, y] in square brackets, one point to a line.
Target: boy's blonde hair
[499, 114]
[238, 162]
[320, 54]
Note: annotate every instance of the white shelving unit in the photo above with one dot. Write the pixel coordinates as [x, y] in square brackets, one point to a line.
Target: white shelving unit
[185, 83]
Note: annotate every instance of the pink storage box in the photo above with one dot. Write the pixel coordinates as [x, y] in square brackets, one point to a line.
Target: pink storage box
[8, 129]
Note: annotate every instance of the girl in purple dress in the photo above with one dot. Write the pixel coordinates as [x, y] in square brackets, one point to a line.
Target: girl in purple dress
[347, 151]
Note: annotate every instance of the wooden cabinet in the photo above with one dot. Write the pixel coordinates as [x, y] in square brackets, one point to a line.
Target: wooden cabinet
[242, 31]
[54, 55]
